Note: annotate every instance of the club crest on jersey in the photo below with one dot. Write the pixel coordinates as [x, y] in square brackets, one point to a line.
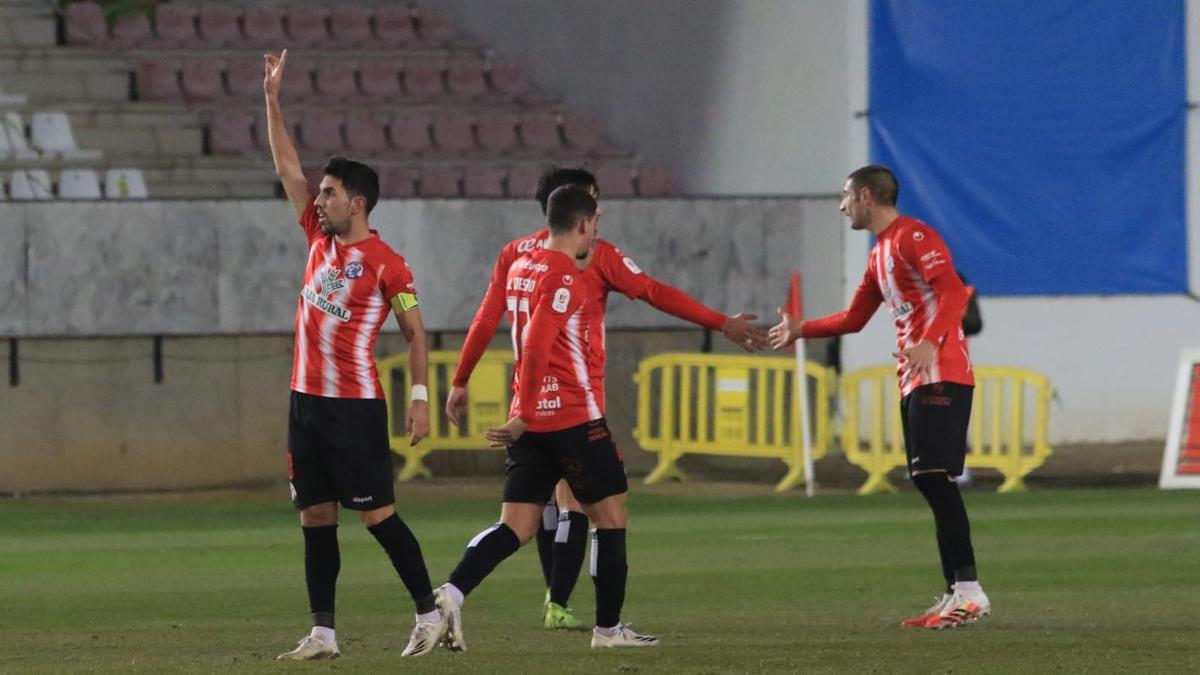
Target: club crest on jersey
[331, 280]
[354, 270]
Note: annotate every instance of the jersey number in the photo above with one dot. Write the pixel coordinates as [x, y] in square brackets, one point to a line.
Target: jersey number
[516, 309]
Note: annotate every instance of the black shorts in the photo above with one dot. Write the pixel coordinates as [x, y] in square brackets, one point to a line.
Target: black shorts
[584, 455]
[338, 451]
[935, 418]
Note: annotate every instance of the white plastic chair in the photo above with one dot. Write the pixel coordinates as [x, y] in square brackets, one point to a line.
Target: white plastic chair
[51, 133]
[78, 184]
[31, 184]
[125, 184]
[11, 100]
[14, 129]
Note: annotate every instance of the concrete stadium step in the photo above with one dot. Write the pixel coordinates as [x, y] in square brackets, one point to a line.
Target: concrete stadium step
[27, 28]
[173, 142]
[46, 89]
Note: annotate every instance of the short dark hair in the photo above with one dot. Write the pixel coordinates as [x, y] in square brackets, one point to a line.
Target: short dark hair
[567, 206]
[557, 176]
[879, 180]
[357, 178]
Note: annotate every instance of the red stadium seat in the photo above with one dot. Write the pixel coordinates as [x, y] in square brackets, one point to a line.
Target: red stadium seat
[366, 132]
[201, 80]
[297, 80]
[219, 24]
[452, 132]
[508, 79]
[313, 176]
[435, 25]
[410, 133]
[523, 180]
[175, 24]
[615, 180]
[131, 30]
[423, 80]
[497, 131]
[321, 131]
[395, 25]
[484, 180]
[379, 79]
[465, 80]
[441, 181]
[584, 133]
[231, 133]
[399, 181]
[306, 24]
[655, 181]
[244, 78]
[263, 25]
[158, 80]
[84, 23]
[350, 23]
[539, 132]
[335, 79]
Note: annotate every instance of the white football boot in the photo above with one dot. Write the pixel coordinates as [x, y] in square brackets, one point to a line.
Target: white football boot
[624, 636]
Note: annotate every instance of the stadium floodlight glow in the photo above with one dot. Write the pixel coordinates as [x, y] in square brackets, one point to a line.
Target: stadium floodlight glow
[1181, 457]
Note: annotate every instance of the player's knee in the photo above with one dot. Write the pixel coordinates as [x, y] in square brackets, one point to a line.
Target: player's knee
[609, 513]
[376, 516]
[319, 515]
[931, 482]
[523, 522]
[566, 499]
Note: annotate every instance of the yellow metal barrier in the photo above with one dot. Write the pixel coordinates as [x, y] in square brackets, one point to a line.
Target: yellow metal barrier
[488, 396]
[744, 406]
[1004, 399]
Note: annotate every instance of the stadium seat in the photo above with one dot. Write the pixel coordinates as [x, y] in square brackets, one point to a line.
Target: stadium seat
[11, 100]
[84, 24]
[297, 80]
[321, 131]
[452, 133]
[201, 80]
[539, 132]
[158, 80]
[399, 181]
[508, 79]
[435, 25]
[335, 80]
[18, 141]
[244, 78]
[79, 184]
[655, 181]
[423, 80]
[350, 23]
[125, 184]
[175, 24]
[6, 150]
[51, 134]
[366, 132]
[583, 133]
[306, 24]
[615, 180]
[410, 133]
[312, 178]
[465, 79]
[379, 79]
[484, 180]
[262, 25]
[441, 181]
[395, 25]
[231, 133]
[31, 184]
[132, 30]
[523, 179]
[218, 24]
[497, 131]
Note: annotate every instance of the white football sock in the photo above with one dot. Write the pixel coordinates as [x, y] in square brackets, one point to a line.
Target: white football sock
[323, 633]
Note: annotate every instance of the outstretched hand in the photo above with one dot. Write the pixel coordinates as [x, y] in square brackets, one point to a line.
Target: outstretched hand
[785, 332]
[273, 75]
[739, 330]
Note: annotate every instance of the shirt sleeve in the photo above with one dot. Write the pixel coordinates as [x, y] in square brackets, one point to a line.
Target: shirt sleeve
[554, 306]
[486, 321]
[952, 298]
[396, 284]
[309, 221]
[621, 273]
[862, 306]
[925, 251]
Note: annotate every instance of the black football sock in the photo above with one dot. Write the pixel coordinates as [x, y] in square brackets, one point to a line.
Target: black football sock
[609, 573]
[570, 545]
[545, 541]
[487, 550]
[322, 562]
[953, 526]
[405, 552]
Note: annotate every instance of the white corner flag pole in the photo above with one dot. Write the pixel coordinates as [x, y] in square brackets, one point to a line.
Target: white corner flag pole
[802, 397]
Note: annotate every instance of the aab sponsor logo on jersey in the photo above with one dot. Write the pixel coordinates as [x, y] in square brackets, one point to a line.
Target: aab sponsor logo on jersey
[329, 281]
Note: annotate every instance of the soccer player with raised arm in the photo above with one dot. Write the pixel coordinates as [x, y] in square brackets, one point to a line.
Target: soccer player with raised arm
[556, 428]
[911, 272]
[338, 449]
[562, 538]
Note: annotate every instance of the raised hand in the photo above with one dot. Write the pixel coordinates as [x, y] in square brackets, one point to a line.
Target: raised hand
[739, 330]
[273, 75]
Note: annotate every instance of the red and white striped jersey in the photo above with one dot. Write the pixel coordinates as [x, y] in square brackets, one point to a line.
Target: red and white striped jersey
[911, 272]
[344, 300]
[547, 304]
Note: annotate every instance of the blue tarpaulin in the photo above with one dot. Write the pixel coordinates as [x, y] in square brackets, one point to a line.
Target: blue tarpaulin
[1045, 139]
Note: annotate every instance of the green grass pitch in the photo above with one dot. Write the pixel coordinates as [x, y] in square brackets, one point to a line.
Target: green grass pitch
[733, 578]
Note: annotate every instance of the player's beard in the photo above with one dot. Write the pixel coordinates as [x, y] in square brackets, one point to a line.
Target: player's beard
[330, 227]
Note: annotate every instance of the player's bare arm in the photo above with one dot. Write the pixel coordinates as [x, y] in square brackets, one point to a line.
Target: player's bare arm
[283, 151]
[408, 316]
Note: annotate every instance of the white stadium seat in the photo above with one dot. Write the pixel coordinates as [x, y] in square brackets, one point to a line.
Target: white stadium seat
[78, 184]
[14, 129]
[125, 184]
[51, 133]
[30, 184]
